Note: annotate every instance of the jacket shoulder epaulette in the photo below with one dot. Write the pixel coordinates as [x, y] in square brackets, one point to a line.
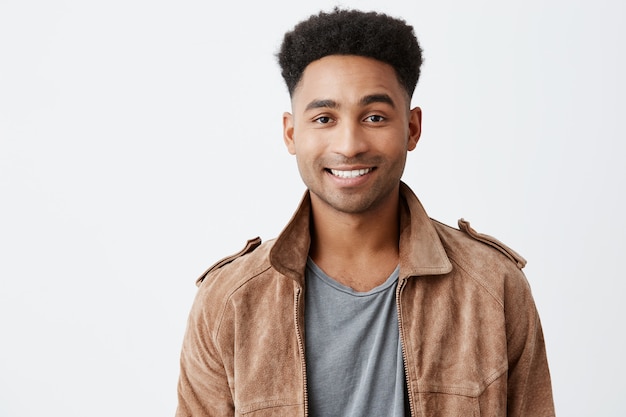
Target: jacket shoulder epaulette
[250, 246]
[518, 259]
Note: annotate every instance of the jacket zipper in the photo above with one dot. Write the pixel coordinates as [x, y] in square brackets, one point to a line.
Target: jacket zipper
[402, 338]
[301, 347]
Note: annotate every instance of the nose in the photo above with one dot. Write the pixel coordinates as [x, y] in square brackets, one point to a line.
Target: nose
[349, 140]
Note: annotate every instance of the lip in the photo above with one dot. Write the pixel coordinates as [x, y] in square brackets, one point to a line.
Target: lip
[350, 176]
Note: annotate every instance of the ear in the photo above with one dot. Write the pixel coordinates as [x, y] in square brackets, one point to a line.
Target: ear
[415, 127]
[288, 132]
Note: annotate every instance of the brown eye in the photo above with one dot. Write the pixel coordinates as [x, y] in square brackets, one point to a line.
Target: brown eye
[375, 118]
[323, 120]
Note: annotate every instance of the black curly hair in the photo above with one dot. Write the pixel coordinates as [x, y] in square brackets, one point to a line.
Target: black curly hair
[351, 32]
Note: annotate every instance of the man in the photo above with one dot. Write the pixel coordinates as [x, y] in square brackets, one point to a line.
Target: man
[362, 306]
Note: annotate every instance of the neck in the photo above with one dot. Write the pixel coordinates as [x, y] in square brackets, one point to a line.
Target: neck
[346, 244]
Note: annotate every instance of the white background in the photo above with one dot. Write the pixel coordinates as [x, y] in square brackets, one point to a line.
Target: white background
[140, 141]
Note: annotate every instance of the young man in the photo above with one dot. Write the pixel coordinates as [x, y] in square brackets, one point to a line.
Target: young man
[362, 306]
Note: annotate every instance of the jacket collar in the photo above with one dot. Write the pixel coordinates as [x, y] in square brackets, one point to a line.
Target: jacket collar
[421, 250]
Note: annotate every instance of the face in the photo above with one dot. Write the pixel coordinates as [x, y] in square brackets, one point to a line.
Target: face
[350, 130]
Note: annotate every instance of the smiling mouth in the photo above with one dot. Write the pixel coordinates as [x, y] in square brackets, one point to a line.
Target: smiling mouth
[350, 173]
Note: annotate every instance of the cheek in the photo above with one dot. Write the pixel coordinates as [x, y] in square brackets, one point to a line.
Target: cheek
[305, 160]
[395, 143]
[306, 147]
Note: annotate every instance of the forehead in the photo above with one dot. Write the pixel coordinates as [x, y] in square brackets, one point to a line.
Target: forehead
[348, 78]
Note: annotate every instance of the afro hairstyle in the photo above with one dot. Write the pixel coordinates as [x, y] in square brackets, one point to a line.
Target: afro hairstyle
[351, 32]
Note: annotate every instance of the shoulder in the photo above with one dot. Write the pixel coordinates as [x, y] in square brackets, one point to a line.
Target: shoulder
[250, 246]
[221, 280]
[252, 259]
[466, 238]
[485, 259]
[225, 277]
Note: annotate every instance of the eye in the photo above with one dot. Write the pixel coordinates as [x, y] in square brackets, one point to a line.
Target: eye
[323, 120]
[375, 118]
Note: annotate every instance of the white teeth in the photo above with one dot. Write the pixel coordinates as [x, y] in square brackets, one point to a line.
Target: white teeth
[350, 174]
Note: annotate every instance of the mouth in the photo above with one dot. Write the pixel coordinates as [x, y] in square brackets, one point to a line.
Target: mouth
[352, 173]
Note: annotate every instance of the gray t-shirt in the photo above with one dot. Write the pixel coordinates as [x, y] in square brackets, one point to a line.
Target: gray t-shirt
[353, 349]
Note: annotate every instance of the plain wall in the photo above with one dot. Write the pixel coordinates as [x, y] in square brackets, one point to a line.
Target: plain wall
[141, 141]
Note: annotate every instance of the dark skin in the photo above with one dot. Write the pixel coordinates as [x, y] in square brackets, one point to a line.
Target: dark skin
[350, 130]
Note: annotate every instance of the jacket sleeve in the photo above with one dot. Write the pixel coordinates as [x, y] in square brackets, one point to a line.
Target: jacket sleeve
[529, 391]
[203, 386]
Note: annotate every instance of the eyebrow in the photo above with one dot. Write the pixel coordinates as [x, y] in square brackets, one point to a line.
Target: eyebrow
[318, 104]
[366, 100]
[377, 98]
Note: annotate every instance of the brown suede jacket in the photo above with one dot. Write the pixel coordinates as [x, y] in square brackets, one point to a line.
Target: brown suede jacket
[471, 335]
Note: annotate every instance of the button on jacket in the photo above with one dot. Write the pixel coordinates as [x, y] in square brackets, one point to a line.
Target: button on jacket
[471, 336]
